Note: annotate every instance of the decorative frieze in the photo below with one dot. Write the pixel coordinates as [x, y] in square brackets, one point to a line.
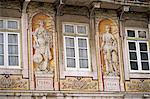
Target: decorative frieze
[78, 83]
[138, 85]
[13, 82]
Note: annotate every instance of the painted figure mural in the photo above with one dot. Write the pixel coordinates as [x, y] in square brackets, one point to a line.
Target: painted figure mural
[109, 46]
[42, 47]
[42, 42]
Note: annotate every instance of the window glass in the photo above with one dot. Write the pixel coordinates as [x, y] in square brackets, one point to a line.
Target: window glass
[12, 49]
[71, 62]
[83, 63]
[69, 42]
[1, 50]
[133, 56]
[69, 29]
[131, 33]
[145, 66]
[1, 24]
[144, 56]
[83, 57]
[82, 43]
[1, 59]
[138, 52]
[142, 34]
[12, 25]
[132, 46]
[134, 65]
[9, 43]
[12, 38]
[83, 53]
[143, 46]
[81, 29]
[70, 52]
[1, 38]
[13, 61]
[76, 47]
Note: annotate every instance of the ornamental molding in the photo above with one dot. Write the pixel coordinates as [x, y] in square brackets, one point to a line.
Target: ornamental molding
[137, 85]
[13, 82]
[10, 4]
[39, 7]
[78, 83]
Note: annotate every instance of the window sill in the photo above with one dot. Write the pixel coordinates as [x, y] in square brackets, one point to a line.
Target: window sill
[10, 71]
[79, 73]
[139, 75]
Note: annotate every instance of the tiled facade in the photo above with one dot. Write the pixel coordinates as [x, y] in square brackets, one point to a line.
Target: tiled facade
[74, 49]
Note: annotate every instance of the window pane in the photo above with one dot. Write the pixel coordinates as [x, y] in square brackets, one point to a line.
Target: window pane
[132, 46]
[82, 43]
[83, 53]
[145, 66]
[13, 60]
[83, 63]
[69, 42]
[81, 29]
[69, 29]
[70, 62]
[12, 49]
[1, 60]
[13, 38]
[142, 34]
[144, 56]
[131, 33]
[134, 65]
[70, 52]
[133, 56]
[1, 49]
[143, 46]
[1, 23]
[12, 24]
[1, 38]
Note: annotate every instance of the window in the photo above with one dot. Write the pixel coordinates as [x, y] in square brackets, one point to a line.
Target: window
[138, 50]
[76, 47]
[9, 24]
[9, 45]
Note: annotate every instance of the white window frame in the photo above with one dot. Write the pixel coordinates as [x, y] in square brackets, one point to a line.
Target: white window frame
[5, 31]
[77, 67]
[137, 40]
[76, 35]
[5, 23]
[6, 60]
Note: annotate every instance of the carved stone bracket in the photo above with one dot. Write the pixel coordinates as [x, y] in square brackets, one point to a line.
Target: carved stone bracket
[74, 83]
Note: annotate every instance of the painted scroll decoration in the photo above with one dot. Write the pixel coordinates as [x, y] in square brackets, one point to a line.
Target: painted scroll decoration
[42, 40]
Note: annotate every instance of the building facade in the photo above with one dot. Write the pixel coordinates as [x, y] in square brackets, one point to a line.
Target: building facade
[74, 49]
